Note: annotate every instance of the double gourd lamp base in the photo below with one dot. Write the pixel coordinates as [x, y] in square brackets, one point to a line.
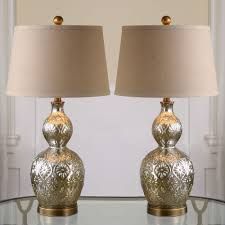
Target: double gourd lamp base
[167, 173]
[57, 174]
[58, 61]
[166, 61]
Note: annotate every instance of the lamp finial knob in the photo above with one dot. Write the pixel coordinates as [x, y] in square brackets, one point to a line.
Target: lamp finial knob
[166, 20]
[58, 20]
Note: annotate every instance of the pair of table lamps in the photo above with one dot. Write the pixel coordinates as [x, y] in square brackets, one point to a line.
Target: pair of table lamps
[69, 61]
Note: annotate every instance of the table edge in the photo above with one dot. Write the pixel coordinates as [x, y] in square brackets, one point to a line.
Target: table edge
[113, 198]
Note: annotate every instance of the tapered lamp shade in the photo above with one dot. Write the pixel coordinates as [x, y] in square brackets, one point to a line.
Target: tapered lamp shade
[166, 61]
[58, 61]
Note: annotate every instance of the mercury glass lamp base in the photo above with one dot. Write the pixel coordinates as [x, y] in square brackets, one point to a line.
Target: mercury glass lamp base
[57, 173]
[167, 173]
[166, 212]
[57, 212]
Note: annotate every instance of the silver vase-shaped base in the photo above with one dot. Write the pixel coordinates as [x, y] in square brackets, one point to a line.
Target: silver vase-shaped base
[57, 174]
[167, 173]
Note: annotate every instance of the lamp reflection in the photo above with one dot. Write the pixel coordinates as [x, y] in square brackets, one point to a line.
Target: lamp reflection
[182, 220]
[156, 220]
[195, 205]
[25, 206]
[68, 220]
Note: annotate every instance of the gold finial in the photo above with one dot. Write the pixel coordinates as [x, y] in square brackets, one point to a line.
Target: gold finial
[57, 99]
[58, 20]
[166, 20]
[166, 100]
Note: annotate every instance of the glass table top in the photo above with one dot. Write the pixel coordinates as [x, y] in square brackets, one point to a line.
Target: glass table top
[111, 211]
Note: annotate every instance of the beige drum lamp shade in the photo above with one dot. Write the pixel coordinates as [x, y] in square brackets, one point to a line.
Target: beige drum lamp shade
[58, 61]
[166, 61]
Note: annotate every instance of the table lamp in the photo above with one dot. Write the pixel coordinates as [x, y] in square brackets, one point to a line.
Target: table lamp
[58, 61]
[166, 61]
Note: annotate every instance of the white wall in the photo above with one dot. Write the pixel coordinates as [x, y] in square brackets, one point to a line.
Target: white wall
[112, 134]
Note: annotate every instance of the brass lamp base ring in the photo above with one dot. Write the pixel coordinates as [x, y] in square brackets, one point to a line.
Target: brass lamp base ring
[57, 212]
[167, 212]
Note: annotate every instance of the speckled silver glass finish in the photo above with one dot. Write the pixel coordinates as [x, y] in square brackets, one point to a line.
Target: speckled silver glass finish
[57, 174]
[167, 173]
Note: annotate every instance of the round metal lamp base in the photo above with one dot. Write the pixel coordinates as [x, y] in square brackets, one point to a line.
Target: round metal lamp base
[57, 212]
[166, 212]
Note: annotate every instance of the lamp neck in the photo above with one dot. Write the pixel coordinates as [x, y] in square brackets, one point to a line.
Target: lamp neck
[166, 105]
[57, 105]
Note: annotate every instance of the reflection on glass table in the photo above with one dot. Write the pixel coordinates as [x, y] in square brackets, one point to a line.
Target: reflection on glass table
[111, 211]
